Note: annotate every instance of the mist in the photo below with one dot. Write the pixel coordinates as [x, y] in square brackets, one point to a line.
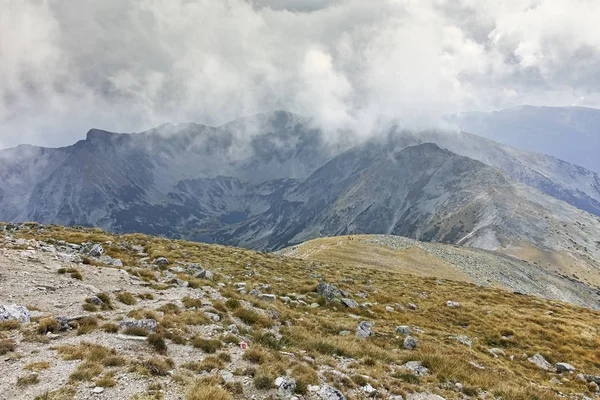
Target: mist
[349, 65]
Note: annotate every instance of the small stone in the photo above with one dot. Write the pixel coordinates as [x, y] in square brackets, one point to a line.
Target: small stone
[389, 308]
[593, 386]
[161, 261]
[541, 362]
[364, 329]
[350, 303]
[285, 387]
[555, 381]
[412, 306]
[369, 390]
[564, 367]
[462, 339]
[410, 343]
[403, 330]
[226, 375]
[416, 368]
[451, 303]
[267, 297]
[314, 305]
[98, 390]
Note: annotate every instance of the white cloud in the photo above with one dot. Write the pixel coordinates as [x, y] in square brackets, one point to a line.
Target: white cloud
[128, 65]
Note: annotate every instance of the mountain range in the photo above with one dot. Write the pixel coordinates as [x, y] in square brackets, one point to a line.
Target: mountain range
[273, 180]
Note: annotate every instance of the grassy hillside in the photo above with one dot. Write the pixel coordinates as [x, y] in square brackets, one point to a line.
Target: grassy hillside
[297, 336]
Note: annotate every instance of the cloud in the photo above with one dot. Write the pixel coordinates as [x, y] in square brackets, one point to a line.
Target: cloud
[129, 65]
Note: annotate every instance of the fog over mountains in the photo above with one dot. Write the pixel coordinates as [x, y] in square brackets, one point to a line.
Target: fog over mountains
[286, 184]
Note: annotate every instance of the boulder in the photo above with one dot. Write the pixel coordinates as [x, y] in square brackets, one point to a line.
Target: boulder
[14, 312]
[96, 250]
[541, 362]
[410, 343]
[147, 324]
[364, 329]
[285, 387]
[329, 292]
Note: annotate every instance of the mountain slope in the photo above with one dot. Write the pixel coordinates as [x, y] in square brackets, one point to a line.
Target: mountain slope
[440, 261]
[76, 339]
[430, 194]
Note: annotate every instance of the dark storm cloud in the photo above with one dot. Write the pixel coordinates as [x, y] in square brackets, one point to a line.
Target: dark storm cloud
[128, 65]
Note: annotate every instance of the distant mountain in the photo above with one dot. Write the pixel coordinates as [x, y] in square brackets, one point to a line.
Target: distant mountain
[272, 180]
[569, 133]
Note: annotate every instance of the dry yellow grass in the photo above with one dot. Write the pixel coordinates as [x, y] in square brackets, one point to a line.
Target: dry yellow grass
[492, 318]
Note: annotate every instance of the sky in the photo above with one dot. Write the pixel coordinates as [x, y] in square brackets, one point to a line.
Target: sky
[130, 65]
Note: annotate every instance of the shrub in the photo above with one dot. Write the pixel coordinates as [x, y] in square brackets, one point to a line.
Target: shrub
[89, 307]
[189, 302]
[156, 341]
[135, 331]
[126, 298]
[9, 325]
[254, 355]
[86, 325]
[233, 304]
[106, 381]
[263, 382]
[202, 390]
[36, 366]
[114, 361]
[208, 364]
[231, 339]
[207, 345]
[110, 327]
[27, 380]
[157, 366]
[48, 325]
[7, 345]
[251, 317]
[86, 370]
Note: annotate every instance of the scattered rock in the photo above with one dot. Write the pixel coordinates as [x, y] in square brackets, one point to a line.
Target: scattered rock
[412, 306]
[389, 308]
[416, 368]
[350, 303]
[364, 329]
[555, 381]
[148, 324]
[327, 392]
[462, 339]
[285, 387]
[410, 343]
[451, 303]
[564, 367]
[96, 250]
[267, 297]
[212, 316]
[98, 390]
[161, 261]
[541, 362]
[328, 292]
[424, 396]
[14, 312]
[369, 390]
[495, 351]
[403, 330]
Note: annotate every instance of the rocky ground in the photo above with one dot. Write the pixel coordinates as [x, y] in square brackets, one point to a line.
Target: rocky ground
[89, 315]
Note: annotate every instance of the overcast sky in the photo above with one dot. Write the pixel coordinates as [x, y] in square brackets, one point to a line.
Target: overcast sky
[129, 65]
